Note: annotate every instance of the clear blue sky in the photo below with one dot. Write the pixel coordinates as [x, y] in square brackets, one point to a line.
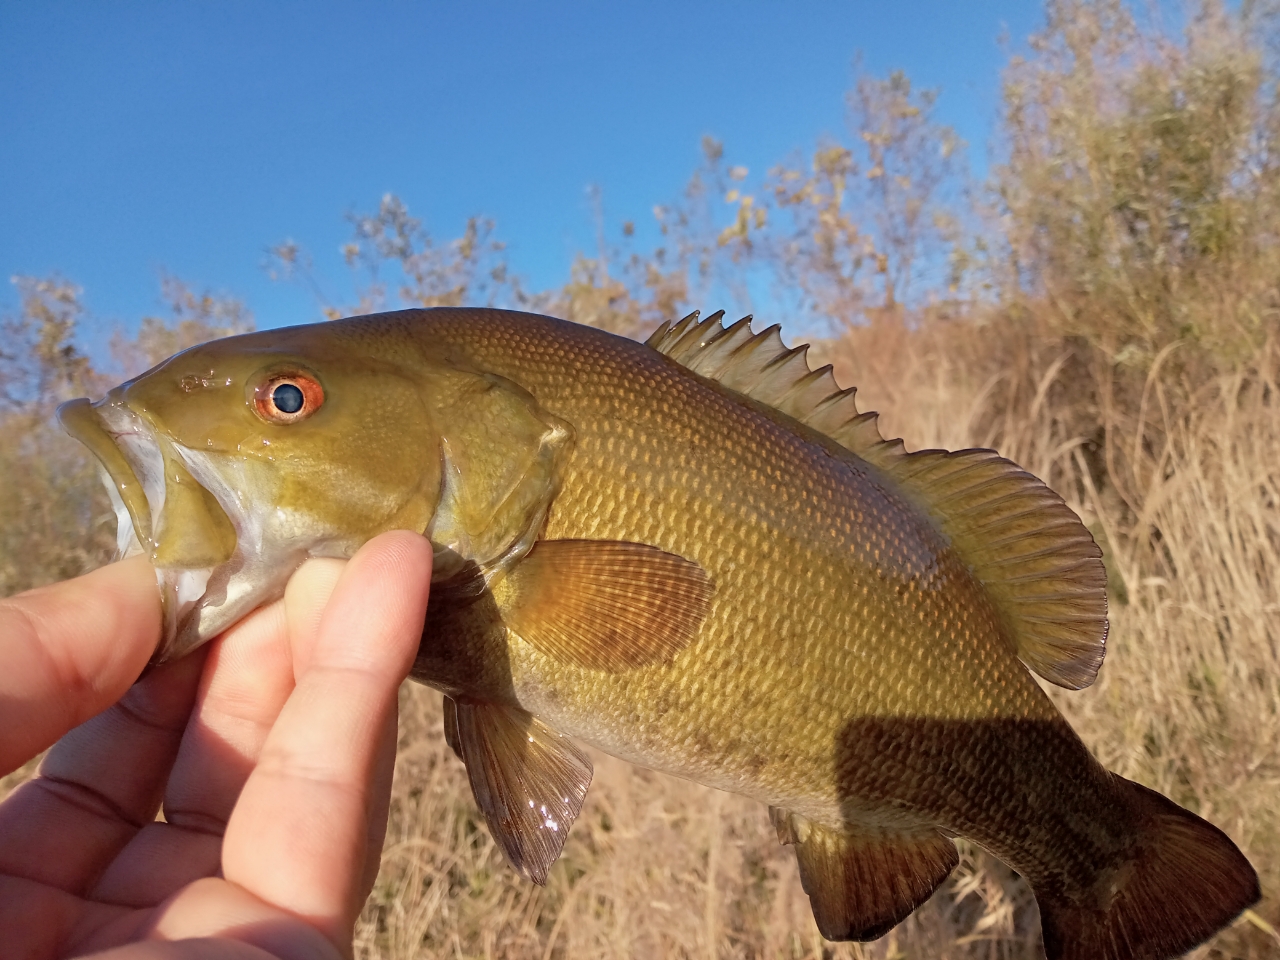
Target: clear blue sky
[192, 136]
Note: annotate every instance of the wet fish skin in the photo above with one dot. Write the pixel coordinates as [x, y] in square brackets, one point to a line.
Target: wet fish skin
[834, 653]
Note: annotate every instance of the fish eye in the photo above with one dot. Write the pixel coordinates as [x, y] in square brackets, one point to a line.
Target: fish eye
[288, 398]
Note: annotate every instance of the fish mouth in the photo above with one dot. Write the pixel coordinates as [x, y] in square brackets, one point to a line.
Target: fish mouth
[83, 422]
[160, 511]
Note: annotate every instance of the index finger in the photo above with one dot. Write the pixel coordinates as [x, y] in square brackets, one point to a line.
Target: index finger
[299, 836]
[70, 650]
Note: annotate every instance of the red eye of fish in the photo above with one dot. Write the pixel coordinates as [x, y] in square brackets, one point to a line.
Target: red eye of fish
[288, 398]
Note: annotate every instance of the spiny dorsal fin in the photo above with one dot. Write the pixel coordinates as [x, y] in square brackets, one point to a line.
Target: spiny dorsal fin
[763, 368]
[1020, 539]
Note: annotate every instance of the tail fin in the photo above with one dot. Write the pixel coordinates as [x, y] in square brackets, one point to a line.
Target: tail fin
[1185, 882]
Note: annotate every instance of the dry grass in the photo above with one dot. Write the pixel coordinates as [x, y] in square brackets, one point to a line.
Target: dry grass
[655, 867]
[1188, 702]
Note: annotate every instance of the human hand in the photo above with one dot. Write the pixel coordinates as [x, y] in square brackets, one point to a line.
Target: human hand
[272, 749]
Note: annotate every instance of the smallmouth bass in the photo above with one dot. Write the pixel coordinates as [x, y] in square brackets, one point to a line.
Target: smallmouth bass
[697, 555]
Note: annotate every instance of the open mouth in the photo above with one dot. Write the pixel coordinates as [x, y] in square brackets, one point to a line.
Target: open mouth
[210, 522]
[134, 467]
[185, 540]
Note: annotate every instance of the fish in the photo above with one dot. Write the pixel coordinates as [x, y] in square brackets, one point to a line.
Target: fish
[698, 555]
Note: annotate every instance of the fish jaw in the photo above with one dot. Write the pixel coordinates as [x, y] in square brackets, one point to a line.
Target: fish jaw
[123, 476]
[272, 541]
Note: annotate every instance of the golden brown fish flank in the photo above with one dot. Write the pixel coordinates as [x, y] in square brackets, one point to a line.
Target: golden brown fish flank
[698, 555]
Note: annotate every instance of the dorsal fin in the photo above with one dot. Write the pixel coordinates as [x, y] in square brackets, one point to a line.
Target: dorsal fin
[761, 367]
[1021, 540]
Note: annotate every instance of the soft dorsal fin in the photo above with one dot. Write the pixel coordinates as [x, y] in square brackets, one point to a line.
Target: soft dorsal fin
[1020, 539]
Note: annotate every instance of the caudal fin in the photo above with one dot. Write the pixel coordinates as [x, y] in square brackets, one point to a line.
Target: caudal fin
[1185, 881]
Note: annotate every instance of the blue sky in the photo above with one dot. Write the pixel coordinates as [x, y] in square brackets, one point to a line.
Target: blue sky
[190, 137]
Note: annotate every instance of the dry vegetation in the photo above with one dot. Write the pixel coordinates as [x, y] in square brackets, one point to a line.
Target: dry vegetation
[1104, 311]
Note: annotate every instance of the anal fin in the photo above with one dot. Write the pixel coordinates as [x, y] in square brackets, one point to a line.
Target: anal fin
[861, 885]
[528, 780]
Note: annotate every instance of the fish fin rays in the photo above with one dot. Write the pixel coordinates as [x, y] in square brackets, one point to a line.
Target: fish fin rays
[603, 604]
[863, 884]
[1039, 562]
[1183, 882]
[451, 727]
[528, 780]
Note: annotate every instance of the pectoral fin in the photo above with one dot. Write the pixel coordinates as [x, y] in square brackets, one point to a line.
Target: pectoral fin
[862, 885]
[528, 780]
[603, 604]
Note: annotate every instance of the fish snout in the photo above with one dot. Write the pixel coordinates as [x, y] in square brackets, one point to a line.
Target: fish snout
[161, 510]
[82, 421]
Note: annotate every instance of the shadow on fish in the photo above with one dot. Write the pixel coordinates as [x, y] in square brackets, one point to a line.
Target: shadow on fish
[695, 554]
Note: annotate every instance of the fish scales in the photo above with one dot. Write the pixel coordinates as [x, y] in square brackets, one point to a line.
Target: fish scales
[695, 554]
[873, 629]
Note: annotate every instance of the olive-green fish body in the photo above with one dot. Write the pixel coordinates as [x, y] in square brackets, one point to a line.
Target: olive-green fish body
[696, 555]
[850, 669]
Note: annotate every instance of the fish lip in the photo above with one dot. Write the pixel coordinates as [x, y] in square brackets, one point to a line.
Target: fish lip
[128, 450]
[83, 421]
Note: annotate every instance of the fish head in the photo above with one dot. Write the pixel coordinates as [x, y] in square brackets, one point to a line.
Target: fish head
[231, 463]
